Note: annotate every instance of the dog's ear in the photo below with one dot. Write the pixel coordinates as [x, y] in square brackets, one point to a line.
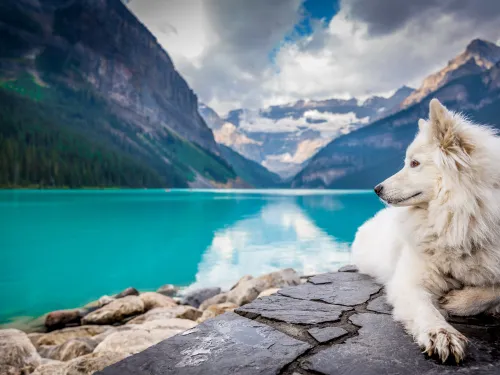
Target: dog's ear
[445, 131]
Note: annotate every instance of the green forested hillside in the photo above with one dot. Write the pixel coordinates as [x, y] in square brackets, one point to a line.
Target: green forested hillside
[67, 138]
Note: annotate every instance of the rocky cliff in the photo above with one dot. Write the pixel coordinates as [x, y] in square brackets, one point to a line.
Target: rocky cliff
[95, 55]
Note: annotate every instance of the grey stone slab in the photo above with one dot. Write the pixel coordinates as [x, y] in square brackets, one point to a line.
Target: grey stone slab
[382, 347]
[228, 344]
[348, 268]
[291, 310]
[380, 305]
[338, 277]
[326, 334]
[336, 288]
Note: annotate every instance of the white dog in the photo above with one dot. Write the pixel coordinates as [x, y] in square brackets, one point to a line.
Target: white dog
[437, 250]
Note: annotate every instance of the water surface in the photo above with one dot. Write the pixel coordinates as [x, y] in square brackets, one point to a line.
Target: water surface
[62, 249]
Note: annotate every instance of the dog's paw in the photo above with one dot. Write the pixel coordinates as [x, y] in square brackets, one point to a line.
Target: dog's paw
[444, 343]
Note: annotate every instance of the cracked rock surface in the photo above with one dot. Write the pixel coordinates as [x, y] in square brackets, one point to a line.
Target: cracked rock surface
[336, 323]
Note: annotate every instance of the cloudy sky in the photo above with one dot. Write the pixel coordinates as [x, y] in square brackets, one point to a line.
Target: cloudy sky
[253, 53]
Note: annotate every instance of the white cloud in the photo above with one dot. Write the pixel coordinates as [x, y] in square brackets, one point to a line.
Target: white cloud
[222, 47]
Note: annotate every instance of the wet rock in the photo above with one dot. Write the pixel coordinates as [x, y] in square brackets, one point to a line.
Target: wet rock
[341, 288]
[17, 351]
[153, 300]
[323, 335]
[215, 300]
[228, 344]
[134, 340]
[216, 310]
[181, 312]
[198, 296]
[268, 292]
[62, 318]
[116, 311]
[291, 310]
[249, 290]
[69, 350]
[168, 290]
[349, 268]
[380, 305]
[127, 292]
[61, 336]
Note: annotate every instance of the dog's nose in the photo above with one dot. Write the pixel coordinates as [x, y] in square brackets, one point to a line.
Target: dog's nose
[378, 189]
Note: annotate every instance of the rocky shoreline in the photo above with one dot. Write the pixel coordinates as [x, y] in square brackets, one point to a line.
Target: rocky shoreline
[88, 339]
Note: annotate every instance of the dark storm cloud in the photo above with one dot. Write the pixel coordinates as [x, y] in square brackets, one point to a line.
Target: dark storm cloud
[386, 16]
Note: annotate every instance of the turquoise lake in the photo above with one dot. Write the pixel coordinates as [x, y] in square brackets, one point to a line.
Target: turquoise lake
[63, 249]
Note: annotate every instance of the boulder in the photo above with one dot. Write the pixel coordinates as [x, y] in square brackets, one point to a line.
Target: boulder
[181, 312]
[127, 292]
[168, 290]
[9, 370]
[174, 323]
[268, 292]
[17, 351]
[69, 350]
[116, 311]
[196, 297]
[104, 300]
[215, 300]
[85, 365]
[51, 368]
[249, 290]
[153, 300]
[244, 279]
[34, 337]
[63, 335]
[135, 340]
[215, 310]
[62, 318]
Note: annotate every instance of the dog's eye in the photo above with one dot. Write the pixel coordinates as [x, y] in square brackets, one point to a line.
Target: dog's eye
[414, 164]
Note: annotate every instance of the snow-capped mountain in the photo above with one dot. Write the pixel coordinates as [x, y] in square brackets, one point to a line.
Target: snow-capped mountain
[282, 138]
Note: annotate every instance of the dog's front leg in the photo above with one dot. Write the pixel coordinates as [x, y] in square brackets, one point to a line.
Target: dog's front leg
[414, 307]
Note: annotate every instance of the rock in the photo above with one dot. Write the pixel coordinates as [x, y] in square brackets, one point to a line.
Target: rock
[168, 290]
[91, 363]
[9, 370]
[268, 292]
[17, 351]
[198, 296]
[291, 310]
[104, 300]
[174, 323]
[181, 312]
[215, 300]
[34, 337]
[228, 344]
[63, 335]
[249, 290]
[127, 292]
[215, 310]
[62, 318]
[134, 340]
[52, 368]
[69, 350]
[348, 268]
[380, 305]
[153, 300]
[342, 288]
[116, 311]
[323, 335]
[244, 279]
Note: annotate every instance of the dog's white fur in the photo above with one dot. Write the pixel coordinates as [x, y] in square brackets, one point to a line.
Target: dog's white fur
[437, 249]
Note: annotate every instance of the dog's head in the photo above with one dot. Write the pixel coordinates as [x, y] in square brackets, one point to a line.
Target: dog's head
[442, 148]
